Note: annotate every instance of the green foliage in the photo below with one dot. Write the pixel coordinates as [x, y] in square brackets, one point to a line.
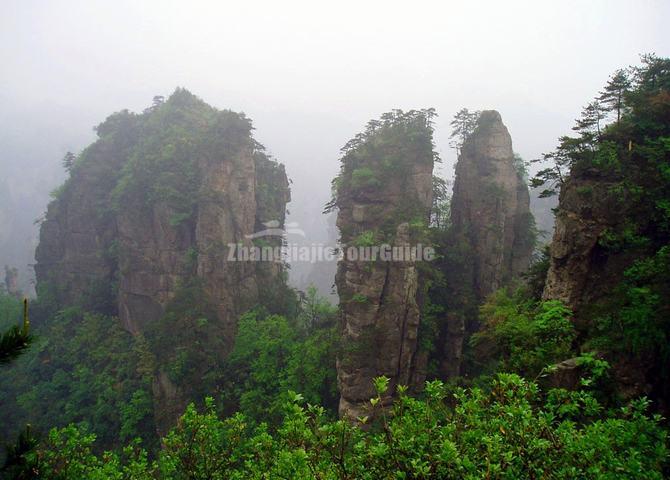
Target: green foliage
[69, 161]
[523, 336]
[618, 166]
[68, 454]
[10, 310]
[381, 385]
[162, 166]
[277, 296]
[634, 319]
[192, 346]
[365, 239]
[631, 148]
[463, 124]
[82, 370]
[386, 150]
[262, 346]
[625, 237]
[273, 354]
[21, 460]
[163, 151]
[451, 306]
[359, 298]
[364, 177]
[15, 340]
[222, 447]
[316, 311]
[505, 431]
[440, 212]
[188, 342]
[612, 95]
[57, 192]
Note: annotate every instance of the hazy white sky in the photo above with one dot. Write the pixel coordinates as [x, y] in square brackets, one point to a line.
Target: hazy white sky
[318, 65]
[311, 74]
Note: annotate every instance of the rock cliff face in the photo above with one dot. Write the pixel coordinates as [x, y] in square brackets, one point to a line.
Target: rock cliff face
[384, 196]
[609, 255]
[580, 268]
[74, 254]
[150, 209]
[583, 272]
[491, 230]
[490, 205]
[237, 192]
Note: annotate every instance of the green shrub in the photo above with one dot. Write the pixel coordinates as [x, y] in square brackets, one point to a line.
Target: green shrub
[359, 298]
[364, 177]
[501, 433]
[523, 336]
[365, 239]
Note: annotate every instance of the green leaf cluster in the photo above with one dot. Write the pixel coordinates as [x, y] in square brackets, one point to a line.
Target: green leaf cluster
[504, 431]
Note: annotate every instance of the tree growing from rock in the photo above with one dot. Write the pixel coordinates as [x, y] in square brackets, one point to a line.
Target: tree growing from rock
[68, 161]
[463, 124]
[612, 95]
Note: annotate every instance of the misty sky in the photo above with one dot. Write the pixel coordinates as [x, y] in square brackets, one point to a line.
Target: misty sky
[309, 74]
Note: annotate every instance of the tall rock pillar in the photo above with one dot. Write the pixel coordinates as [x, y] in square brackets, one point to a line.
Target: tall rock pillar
[384, 195]
[491, 221]
[491, 206]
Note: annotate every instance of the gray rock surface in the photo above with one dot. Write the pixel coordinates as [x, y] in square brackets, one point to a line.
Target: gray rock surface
[380, 302]
[490, 205]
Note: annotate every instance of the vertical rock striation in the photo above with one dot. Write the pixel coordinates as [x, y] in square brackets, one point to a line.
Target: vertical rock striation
[491, 206]
[586, 273]
[581, 269]
[149, 212]
[384, 196]
[492, 229]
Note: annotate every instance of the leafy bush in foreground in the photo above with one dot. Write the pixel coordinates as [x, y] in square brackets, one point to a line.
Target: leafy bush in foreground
[504, 432]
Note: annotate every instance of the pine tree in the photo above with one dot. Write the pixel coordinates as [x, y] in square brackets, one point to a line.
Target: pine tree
[463, 124]
[591, 117]
[68, 161]
[158, 100]
[612, 96]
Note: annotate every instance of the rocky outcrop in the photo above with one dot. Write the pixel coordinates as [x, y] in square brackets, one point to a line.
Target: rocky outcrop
[151, 208]
[581, 268]
[238, 192]
[490, 206]
[384, 197]
[491, 238]
[586, 271]
[74, 257]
